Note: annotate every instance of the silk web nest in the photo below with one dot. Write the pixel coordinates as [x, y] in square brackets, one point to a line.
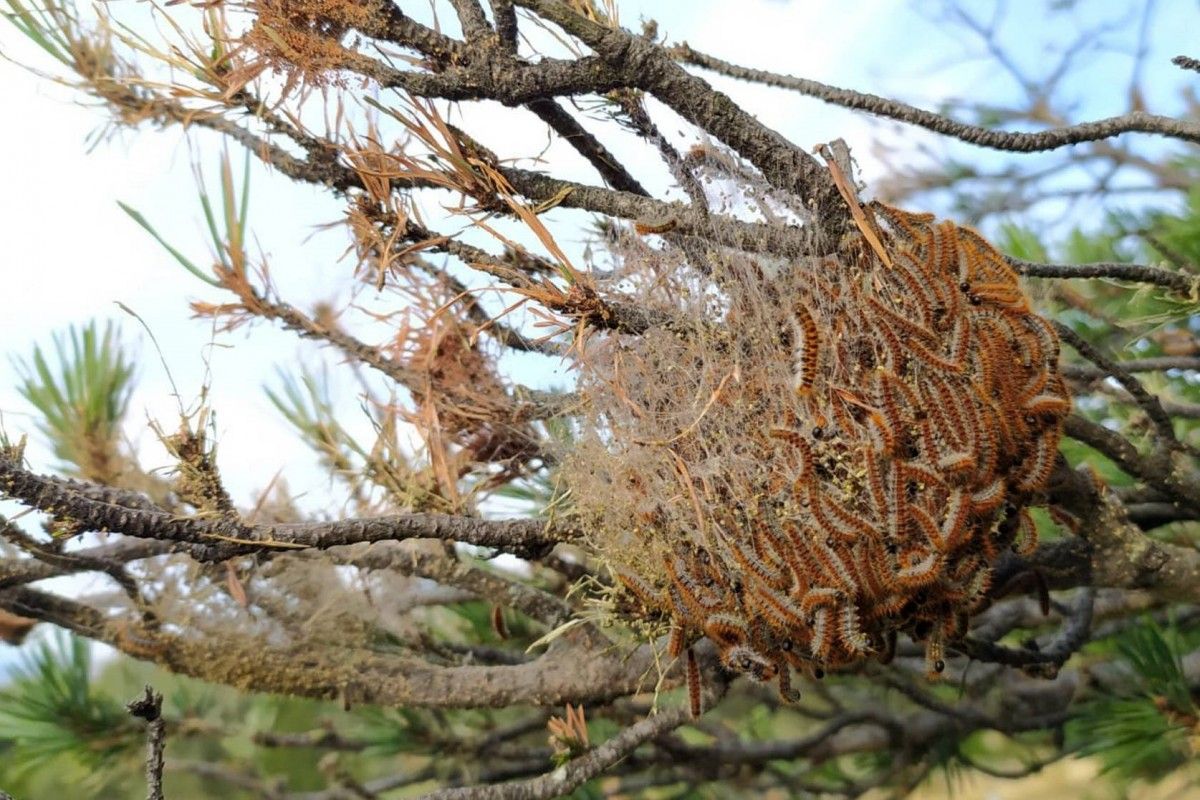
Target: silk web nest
[839, 451]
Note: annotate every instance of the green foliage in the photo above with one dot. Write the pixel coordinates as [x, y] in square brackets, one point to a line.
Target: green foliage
[1142, 732]
[306, 404]
[386, 464]
[216, 724]
[42, 28]
[228, 233]
[1156, 656]
[51, 719]
[1021, 243]
[391, 731]
[63, 724]
[184, 261]
[1177, 235]
[81, 392]
[541, 493]
[1132, 738]
[1109, 243]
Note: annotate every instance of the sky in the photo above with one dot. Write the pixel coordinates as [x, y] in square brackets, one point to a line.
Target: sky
[70, 254]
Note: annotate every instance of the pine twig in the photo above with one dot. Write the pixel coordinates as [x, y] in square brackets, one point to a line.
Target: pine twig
[149, 708]
[1011, 141]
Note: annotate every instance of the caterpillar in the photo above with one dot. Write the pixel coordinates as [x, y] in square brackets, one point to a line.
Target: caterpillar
[1038, 466]
[693, 684]
[805, 350]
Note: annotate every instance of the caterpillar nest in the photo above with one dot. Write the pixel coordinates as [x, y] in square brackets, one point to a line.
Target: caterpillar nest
[838, 454]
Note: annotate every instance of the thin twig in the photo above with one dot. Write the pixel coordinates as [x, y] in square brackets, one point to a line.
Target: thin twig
[1185, 285]
[1187, 62]
[576, 772]
[1010, 141]
[149, 708]
[1146, 401]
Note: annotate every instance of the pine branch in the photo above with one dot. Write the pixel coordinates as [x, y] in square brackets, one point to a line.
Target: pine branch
[1010, 141]
[576, 772]
[148, 707]
[225, 538]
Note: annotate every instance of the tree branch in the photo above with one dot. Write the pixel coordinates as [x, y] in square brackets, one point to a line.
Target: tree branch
[1073, 636]
[587, 145]
[506, 24]
[576, 772]
[652, 69]
[1010, 141]
[471, 17]
[1160, 472]
[149, 708]
[1185, 285]
[1155, 364]
[1111, 550]
[564, 674]
[1149, 403]
[226, 538]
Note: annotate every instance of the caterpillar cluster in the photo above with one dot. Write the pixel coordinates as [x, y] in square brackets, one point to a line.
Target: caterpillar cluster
[879, 452]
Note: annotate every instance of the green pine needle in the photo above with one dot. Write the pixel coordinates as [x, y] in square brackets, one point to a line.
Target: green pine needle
[178, 256]
[39, 27]
[81, 392]
[48, 711]
[1145, 733]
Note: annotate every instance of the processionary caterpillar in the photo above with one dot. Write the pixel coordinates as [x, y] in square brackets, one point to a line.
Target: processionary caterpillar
[805, 349]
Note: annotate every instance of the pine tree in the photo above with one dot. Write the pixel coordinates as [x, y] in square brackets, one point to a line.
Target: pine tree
[838, 496]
